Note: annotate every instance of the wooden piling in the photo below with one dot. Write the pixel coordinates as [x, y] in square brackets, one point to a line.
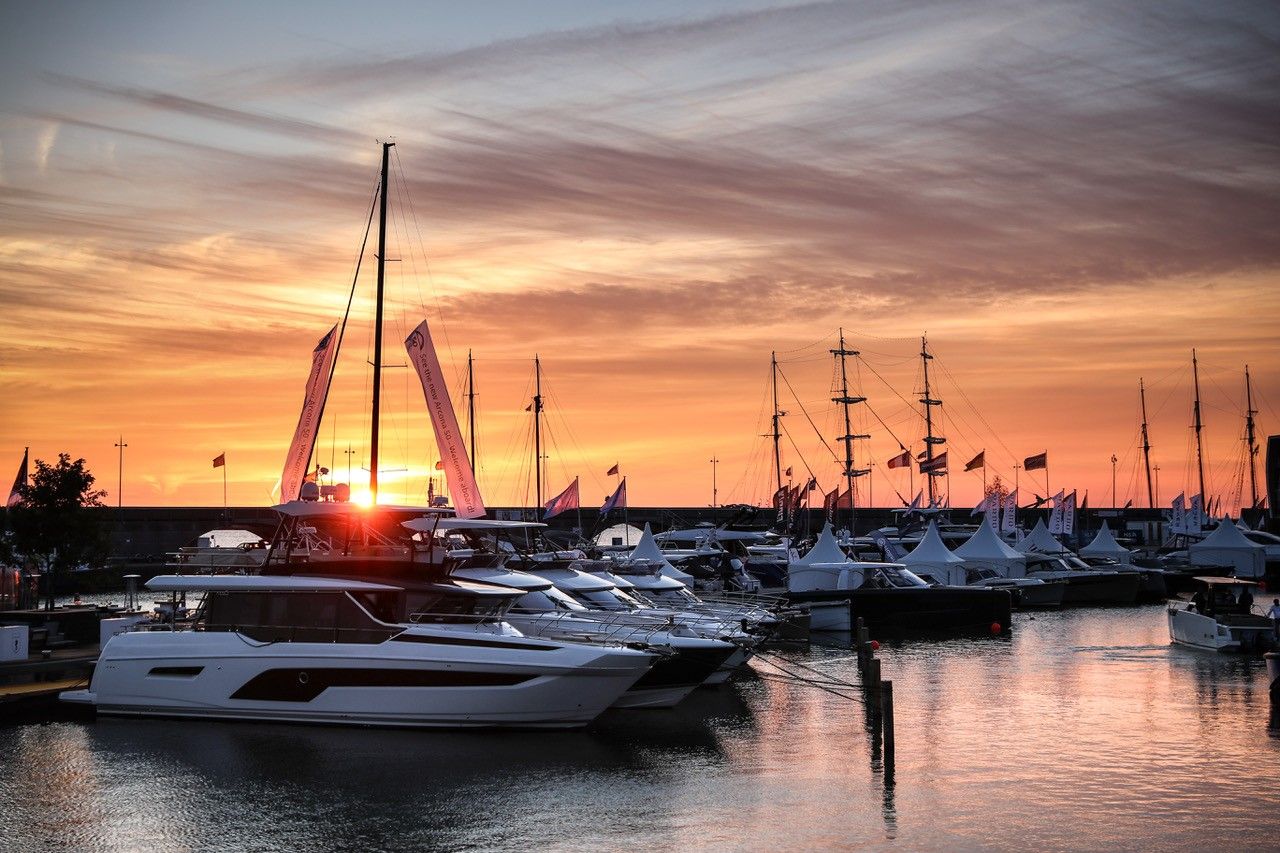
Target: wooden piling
[871, 681]
[886, 716]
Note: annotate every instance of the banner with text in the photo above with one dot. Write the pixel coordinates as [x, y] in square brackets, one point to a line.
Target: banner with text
[297, 463]
[453, 452]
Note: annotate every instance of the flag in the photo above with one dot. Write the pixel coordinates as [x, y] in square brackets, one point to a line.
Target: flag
[612, 471]
[304, 434]
[1035, 463]
[902, 460]
[922, 454]
[937, 463]
[1010, 521]
[1127, 503]
[978, 461]
[1069, 515]
[1055, 517]
[1195, 515]
[829, 502]
[617, 499]
[566, 500]
[15, 494]
[1178, 521]
[220, 460]
[787, 473]
[529, 408]
[915, 503]
[1084, 504]
[813, 484]
[444, 422]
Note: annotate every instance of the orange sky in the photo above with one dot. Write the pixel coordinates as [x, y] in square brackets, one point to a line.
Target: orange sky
[652, 206]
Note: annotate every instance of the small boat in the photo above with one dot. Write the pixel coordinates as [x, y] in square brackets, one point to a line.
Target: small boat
[1220, 618]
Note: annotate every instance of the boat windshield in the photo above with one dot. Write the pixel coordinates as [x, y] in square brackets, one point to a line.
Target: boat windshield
[608, 599]
[897, 576]
[545, 601]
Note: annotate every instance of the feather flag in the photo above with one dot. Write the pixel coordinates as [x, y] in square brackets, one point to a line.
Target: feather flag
[1010, 521]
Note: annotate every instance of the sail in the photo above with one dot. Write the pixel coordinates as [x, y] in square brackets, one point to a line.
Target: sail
[297, 462]
[453, 451]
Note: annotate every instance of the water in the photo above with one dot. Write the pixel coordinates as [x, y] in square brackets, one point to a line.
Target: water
[1085, 730]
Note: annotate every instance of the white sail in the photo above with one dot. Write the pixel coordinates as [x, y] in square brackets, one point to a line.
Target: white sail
[304, 435]
[453, 452]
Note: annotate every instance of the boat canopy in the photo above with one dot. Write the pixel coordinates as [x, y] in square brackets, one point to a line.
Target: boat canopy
[1217, 581]
[1105, 545]
[1041, 541]
[502, 577]
[825, 550]
[1227, 547]
[985, 549]
[427, 525]
[261, 583]
[331, 509]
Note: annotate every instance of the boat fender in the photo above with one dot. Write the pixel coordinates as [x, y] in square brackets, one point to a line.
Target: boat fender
[995, 627]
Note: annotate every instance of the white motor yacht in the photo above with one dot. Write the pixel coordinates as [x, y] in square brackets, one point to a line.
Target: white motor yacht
[342, 651]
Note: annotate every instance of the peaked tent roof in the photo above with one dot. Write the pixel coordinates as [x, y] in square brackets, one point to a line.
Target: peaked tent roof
[931, 551]
[984, 544]
[825, 550]
[1105, 545]
[1225, 535]
[647, 549]
[1041, 541]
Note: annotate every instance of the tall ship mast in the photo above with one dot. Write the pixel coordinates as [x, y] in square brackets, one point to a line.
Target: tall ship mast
[1251, 439]
[471, 410]
[845, 400]
[930, 440]
[1146, 444]
[537, 428]
[1198, 425]
[777, 433]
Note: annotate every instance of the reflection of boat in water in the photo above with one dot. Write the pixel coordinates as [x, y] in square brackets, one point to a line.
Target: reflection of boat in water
[1219, 617]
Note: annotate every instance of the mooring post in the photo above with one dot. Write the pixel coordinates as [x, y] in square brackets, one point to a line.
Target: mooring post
[864, 645]
[872, 679]
[886, 715]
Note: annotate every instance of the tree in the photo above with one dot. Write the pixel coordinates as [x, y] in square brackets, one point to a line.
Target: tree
[998, 488]
[51, 527]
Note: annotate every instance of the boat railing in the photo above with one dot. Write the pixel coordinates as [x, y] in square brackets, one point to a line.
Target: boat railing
[618, 627]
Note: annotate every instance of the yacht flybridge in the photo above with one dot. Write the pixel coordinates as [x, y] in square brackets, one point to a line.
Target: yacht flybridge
[351, 652]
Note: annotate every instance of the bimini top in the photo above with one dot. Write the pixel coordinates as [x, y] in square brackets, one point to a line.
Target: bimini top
[427, 525]
[330, 509]
[261, 583]
[1215, 581]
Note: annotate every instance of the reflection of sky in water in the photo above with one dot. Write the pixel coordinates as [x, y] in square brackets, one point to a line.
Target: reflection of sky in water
[1083, 730]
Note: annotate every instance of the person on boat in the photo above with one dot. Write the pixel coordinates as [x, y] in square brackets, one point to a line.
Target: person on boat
[1274, 613]
[1246, 600]
[1197, 602]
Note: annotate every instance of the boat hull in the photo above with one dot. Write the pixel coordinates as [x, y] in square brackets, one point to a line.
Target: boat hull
[222, 675]
[1228, 633]
[924, 609]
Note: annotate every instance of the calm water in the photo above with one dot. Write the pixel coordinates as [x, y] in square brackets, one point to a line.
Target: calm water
[1085, 730]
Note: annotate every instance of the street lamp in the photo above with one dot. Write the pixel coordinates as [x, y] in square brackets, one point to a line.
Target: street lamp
[1115, 499]
[120, 482]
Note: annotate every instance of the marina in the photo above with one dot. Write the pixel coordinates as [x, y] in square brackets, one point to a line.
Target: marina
[688, 426]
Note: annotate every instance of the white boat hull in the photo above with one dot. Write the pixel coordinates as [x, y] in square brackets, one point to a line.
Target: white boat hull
[427, 683]
[1189, 628]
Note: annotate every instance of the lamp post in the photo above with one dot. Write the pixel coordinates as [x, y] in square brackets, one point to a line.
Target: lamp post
[714, 490]
[120, 481]
[1115, 499]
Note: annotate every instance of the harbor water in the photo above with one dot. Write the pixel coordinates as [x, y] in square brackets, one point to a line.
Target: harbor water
[1083, 730]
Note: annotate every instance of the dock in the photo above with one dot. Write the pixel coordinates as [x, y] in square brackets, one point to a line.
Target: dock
[34, 684]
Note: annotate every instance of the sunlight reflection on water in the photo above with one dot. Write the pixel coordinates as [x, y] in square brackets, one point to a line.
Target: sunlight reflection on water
[1083, 730]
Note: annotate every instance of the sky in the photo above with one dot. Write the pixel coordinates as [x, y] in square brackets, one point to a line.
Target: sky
[1065, 197]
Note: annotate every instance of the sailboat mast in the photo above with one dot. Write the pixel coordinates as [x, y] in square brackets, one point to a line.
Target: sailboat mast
[845, 400]
[1146, 444]
[537, 427]
[929, 438]
[1250, 438]
[777, 433]
[471, 410]
[377, 326]
[1195, 373]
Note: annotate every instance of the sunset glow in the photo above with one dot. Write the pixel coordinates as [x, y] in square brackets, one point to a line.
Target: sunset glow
[652, 199]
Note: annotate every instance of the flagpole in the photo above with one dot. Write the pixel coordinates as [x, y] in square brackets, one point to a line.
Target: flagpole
[224, 487]
[580, 527]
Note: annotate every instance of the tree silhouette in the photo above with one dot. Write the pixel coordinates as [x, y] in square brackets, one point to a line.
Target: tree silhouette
[51, 527]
